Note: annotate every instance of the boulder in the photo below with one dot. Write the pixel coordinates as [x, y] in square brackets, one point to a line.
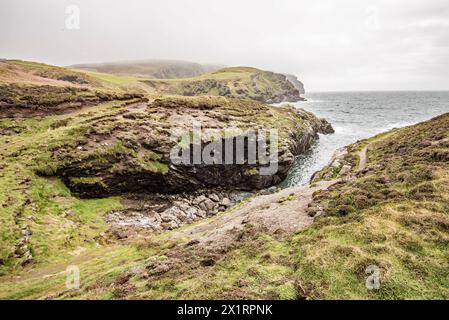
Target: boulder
[226, 202]
[214, 197]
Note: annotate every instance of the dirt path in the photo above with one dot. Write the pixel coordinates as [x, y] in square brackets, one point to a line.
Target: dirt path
[363, 153]
[281, 212]
[362, 157]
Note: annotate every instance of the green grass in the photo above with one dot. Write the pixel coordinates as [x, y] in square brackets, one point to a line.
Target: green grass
[58, 220]
[395, 217]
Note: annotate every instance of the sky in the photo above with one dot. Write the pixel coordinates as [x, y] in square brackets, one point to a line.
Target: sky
[331, 45]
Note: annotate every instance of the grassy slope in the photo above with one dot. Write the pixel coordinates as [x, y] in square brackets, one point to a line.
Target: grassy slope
[395, 216]
[28, 72]
[57, 220]
[237, 82]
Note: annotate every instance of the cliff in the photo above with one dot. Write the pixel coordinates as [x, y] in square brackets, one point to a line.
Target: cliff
[298, 84]
[129, 149]
[237, 82]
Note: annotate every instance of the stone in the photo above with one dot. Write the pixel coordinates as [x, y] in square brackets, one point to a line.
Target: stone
[190, 212]
[26, 232]
[226, 202]
[22, 250]
[345, 169]
[199, 199]
[202, 206]
[157, 217]
[214, 197]
[210, 205]
[28, 258]
[336, 164]
[173, 224]
[171, 214]
[201, 213]
[192, 242]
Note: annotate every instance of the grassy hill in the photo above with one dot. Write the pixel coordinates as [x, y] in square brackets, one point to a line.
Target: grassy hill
[236, 82]
[30, 88]
[158, 69]
[391, 212]
[26, 78]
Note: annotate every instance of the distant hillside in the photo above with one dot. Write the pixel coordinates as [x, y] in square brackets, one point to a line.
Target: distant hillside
[30, 89]
[32, 79]
[235, 82]
[158, 69]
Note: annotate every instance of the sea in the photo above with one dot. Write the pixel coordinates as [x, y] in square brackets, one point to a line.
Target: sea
[360, 115]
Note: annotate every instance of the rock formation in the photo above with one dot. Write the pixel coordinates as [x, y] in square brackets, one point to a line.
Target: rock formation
[129, 151]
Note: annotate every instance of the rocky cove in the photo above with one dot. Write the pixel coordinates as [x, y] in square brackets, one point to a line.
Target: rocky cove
[126, 152]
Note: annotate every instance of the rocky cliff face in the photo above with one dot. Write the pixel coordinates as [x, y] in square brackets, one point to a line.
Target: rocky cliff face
[298, 84]
[129, 151]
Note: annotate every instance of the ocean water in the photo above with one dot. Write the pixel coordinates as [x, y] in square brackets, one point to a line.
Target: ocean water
[359, 115]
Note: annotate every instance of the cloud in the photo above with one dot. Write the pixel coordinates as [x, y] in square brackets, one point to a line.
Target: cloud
[331, 45]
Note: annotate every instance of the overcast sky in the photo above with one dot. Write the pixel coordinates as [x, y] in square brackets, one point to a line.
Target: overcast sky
[329, 44]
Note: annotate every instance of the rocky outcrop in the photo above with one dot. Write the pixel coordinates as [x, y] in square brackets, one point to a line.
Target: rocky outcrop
[129, 151]
[298, 84]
